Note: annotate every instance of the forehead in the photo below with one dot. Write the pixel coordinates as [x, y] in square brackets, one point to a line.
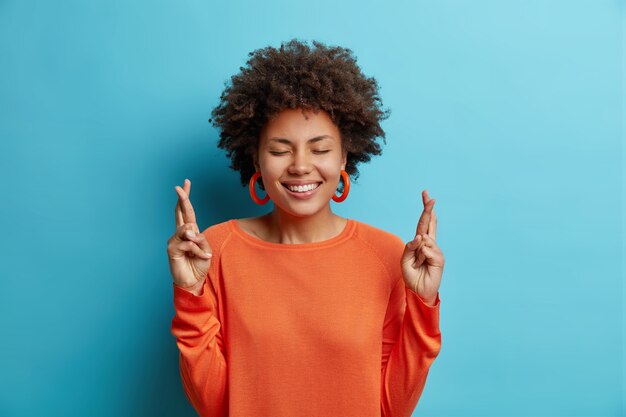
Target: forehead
[299, 126]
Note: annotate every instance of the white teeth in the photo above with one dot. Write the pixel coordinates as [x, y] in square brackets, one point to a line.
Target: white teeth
[302, 188]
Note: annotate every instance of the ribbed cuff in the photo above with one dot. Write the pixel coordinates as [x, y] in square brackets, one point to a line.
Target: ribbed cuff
[424, 302]
[429, 315]
[187, 301]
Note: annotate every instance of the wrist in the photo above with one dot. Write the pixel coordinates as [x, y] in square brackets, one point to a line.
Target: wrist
[195, 289]
[431, 301]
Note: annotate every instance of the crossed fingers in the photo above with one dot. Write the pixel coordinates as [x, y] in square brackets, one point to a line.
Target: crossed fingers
[427, 223]
[184, 210]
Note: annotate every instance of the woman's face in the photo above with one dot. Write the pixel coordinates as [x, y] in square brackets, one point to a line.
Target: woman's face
[295, 150]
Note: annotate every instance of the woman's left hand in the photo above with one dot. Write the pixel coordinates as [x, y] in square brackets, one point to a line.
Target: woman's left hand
[422, 260]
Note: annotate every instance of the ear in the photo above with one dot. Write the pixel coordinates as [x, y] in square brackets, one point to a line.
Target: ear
[255, 160]
[256, 151]
[344, 159]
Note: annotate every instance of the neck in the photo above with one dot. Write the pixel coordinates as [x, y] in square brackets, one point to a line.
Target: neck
[285, 228]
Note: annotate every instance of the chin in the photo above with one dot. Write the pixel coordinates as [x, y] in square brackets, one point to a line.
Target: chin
[301, 211]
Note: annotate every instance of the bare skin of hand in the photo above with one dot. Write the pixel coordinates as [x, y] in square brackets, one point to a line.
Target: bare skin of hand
[422, 261]
[188, 251]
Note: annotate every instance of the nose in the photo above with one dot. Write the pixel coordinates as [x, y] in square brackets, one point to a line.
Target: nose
[301, 164]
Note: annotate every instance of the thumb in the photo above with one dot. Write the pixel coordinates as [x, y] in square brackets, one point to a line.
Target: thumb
[409, 250]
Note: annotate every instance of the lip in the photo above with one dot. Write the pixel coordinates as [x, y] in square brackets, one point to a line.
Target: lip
[300, 182]
[302, 196]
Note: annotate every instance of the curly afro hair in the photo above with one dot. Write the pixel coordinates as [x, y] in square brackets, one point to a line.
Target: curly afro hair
[299, 76]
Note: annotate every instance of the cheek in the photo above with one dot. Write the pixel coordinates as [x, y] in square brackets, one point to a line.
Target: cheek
[272, 171]
[331, 168]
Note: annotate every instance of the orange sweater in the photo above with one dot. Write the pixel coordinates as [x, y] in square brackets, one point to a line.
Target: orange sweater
[324, 329]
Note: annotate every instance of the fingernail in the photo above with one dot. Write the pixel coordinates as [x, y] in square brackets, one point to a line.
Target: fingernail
[190, 233]
[208, 255]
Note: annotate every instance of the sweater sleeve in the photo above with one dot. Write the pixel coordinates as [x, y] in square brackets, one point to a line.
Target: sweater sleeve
[411, 342]
[199, 338]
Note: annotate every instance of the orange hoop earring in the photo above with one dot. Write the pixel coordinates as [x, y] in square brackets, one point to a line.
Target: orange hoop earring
[253, 191]
[346, 187]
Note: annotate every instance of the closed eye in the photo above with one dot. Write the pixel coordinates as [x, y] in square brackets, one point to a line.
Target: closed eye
[282, 153]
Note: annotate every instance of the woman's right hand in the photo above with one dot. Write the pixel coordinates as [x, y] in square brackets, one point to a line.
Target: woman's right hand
[188, 250]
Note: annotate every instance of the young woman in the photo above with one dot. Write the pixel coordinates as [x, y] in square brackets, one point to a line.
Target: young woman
[301, 312]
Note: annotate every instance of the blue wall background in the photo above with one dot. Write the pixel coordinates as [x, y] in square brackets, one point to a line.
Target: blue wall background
[509, 112]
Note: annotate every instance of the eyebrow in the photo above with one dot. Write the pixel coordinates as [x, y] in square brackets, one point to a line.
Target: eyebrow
[312, 140]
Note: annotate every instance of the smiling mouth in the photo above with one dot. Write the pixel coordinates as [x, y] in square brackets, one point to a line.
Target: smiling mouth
[302, 188]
